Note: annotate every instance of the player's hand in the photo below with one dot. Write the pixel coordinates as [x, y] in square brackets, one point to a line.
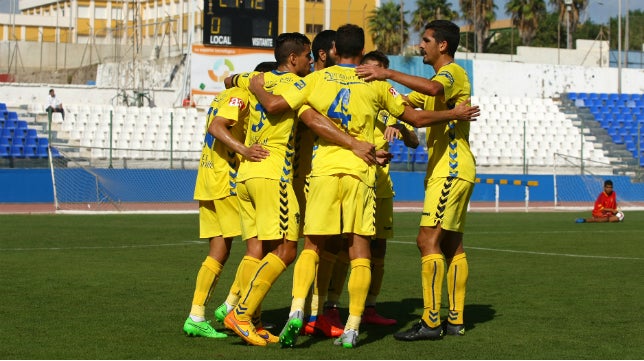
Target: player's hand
[256, 153]
[371, 72]
[392, 132]
[383, 157]
[464, 111]
[256, 83]
[365, 151]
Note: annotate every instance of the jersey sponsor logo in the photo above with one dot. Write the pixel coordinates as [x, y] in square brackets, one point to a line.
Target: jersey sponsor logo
[300, 84]
[447, 75]
[236, 102]
[393, 91]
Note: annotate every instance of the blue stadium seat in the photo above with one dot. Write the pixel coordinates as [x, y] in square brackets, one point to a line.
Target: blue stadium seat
[397, 157]
[32, 133]
[31, 142]
[12, 116]
[5, 141]
[10, 124]
[55, 153]
[420, 156]
[43, 142]
[18, 138]
[42, 151]
[17, 151]
[4, 151]
[31, 151]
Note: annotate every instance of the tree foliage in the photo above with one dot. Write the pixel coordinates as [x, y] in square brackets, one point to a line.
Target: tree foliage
[526, 16]
[388, 27]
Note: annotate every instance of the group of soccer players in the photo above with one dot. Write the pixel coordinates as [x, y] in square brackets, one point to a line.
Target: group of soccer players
[287, 142]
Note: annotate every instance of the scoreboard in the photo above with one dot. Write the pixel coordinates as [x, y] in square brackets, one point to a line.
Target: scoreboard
[240, 23]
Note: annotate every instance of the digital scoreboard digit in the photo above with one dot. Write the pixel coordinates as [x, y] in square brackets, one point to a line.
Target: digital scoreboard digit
[240, 23]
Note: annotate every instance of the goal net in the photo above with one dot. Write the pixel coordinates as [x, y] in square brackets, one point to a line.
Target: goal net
[90, 179]
[578, 182]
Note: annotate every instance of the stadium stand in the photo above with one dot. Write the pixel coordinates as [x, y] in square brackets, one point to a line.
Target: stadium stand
[620, 115]
[17, 139]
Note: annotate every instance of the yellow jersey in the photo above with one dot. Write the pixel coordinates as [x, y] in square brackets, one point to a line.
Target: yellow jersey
[217, 172]
[448, 145]
[274, 132]
[352, 104]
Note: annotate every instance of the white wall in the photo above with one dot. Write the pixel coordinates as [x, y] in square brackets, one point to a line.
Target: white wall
[510, 79]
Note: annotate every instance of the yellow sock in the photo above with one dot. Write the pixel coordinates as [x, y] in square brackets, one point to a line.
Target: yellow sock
[245, 270]
[377, 273]
[322, 280]
[207, 278]
[304, 273]
[338, 277]
[457, 273]
[432, 273]
[267, 273]
[359, 281]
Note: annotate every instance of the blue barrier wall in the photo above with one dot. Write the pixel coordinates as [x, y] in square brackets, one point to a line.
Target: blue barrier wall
[143, 185]
[26, 186]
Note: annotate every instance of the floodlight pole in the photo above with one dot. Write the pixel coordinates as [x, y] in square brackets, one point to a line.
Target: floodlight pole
[619, 47]
[568, 4]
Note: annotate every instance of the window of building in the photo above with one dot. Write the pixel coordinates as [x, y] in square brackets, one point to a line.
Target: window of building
[313, 28]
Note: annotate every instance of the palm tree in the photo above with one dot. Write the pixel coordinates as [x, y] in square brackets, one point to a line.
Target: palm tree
[389, 29]
[526, 16]
[427, 10]
[479, 14]
[576, 8]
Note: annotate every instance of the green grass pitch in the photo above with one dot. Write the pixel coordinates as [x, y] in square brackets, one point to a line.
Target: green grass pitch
[120, 287]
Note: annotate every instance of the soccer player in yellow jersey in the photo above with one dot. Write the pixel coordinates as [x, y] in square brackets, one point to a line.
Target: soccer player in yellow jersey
[387, 129]
[268, 206]
[341, 191]
[254, 252]
[218, 205]
[451, 172]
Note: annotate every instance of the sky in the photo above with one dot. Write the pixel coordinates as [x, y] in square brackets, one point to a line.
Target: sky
[599, 11]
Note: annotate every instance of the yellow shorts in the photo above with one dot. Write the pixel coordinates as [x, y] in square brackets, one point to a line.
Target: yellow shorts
[268, 209]
[301, 188]
[446, 201]
[339, 204]
[384, 218]
[219, 217]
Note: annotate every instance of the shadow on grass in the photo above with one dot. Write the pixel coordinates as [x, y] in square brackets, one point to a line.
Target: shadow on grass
[405, 312]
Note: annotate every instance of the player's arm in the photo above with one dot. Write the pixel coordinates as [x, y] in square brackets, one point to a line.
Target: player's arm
[324, 127]
[423, 118]
[422, 85]
[400, 131]
[273, 104]
[219, 129]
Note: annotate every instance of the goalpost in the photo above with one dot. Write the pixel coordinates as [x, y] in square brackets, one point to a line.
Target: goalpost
[150, 183]
[578, 182]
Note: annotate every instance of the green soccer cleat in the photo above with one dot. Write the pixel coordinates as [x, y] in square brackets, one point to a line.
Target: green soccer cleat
[348, 339]
[288, 336]
[201, 329]
[221, 312]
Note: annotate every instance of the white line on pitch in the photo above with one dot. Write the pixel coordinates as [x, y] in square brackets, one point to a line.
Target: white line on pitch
[103, 247]
[538, 253]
